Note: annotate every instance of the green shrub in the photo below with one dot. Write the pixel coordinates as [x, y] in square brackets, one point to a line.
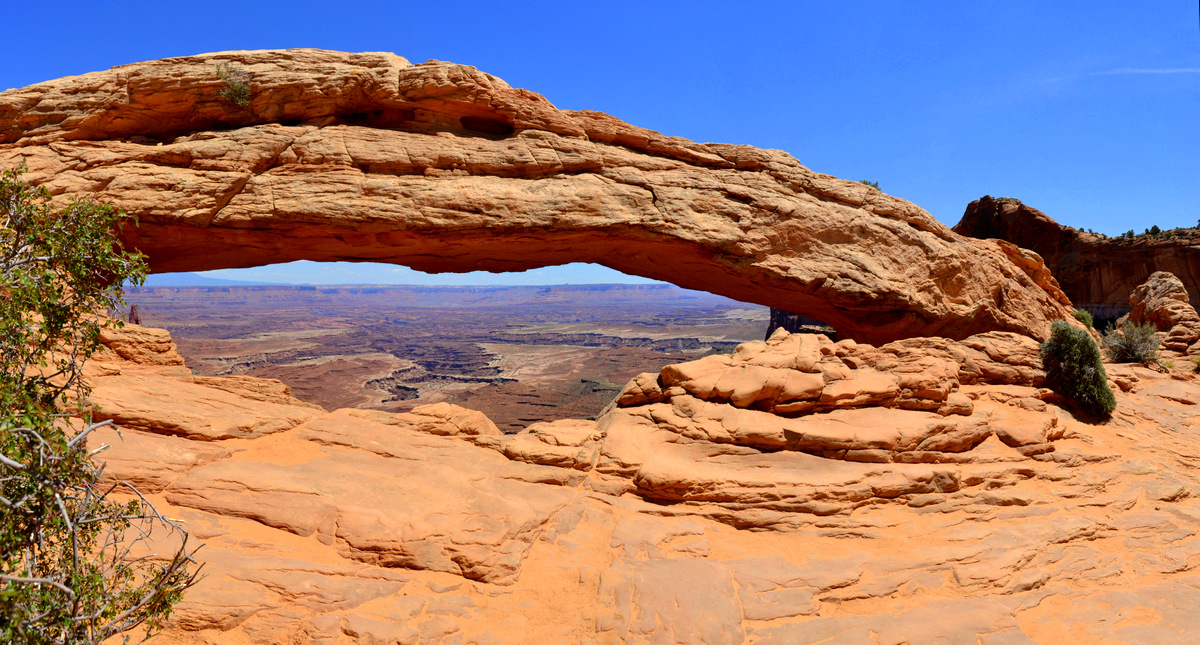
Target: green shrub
[73, 567]
[237, 86]
[1074, 369]
[1132, 344]
[1196, 361]
[1084, 317]
[872, 184]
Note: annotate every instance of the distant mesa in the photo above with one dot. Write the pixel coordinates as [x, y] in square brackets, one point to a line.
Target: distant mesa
[444, 168]
[198, 280]
[1097, 273]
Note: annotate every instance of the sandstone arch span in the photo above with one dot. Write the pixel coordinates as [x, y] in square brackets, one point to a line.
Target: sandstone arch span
[441, 167]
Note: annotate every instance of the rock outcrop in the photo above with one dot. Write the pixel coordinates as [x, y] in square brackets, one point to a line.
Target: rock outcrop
[442, 167]
[1094, 271]
[1163, 302]
[797, 491]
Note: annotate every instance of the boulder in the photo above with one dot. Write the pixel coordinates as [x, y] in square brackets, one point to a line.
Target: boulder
[1163, 301]
[133, 343]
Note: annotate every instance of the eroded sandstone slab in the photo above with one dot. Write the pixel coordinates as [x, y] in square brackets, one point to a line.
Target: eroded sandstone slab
[668, 521]
[1163, 301]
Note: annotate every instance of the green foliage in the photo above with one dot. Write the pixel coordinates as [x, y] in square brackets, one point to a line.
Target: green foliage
[1132, 343]
[1196, 361]
[237, 85]
[1074, 369]
[1084, 317]
[1154, 230]
[1128, 234]
[872, 184]
[73, 566]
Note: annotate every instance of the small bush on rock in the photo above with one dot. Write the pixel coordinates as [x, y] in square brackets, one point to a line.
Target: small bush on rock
[237, 86]
[1085, 318]
[1074, 369]
[1132, 344]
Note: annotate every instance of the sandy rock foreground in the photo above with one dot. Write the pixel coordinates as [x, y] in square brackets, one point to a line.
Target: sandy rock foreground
[797, 491]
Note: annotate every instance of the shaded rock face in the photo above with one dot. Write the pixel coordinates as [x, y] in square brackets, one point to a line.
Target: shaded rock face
[792, 323]
[1093, 271]
[445, 168]
[796, 491]
[1163, 302]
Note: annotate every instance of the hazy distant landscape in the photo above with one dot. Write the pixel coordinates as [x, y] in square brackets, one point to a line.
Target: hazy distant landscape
[519, 354]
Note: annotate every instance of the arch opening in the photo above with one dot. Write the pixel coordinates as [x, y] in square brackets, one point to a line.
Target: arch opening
[521, 352]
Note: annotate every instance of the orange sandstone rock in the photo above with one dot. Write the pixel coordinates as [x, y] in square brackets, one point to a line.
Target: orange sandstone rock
[1093, 270]
[1163, 302]
[442, 167]
[686, 518]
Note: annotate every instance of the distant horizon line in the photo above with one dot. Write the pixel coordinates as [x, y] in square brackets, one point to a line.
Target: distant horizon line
[240, 284]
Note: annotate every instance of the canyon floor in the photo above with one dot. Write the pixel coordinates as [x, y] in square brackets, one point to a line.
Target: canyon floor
[518, 354]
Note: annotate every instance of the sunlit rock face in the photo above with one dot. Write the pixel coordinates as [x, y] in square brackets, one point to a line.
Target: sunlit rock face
[795, 491]
[445, 168]
[912, 482]
[1163, 302]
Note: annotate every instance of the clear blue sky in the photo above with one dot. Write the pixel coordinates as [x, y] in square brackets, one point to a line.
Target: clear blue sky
[1089, 111]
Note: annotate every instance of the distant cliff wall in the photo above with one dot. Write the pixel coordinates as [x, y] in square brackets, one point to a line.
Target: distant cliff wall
[1094, 271]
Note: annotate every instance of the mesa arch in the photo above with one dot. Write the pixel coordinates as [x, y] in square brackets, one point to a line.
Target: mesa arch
[442, 167]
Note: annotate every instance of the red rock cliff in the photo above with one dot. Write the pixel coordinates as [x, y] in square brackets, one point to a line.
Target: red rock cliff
[1092, 270]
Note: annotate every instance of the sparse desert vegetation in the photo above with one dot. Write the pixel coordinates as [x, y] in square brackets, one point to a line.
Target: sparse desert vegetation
[1132, 343]
[73, 563]
[1075, 369]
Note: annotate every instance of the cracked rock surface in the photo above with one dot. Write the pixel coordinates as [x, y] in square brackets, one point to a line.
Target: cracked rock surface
[933, 491]
[445, 168]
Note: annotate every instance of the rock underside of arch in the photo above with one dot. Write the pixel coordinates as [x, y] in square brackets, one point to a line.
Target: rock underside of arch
[444, 168]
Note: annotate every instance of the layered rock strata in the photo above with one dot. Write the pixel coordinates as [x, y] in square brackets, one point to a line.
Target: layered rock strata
[926, 490]
[442, 167]
[1094, 271]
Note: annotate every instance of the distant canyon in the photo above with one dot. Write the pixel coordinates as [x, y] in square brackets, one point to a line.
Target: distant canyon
[518, 354]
